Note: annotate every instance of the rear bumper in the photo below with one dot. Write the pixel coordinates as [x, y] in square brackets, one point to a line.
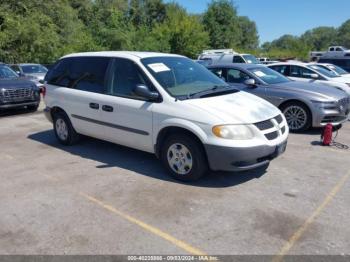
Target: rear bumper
[47, 113]
[240, 159]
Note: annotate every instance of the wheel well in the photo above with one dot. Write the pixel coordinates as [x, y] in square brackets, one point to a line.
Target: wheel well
[295, 101]
[167, 131]
[56, 109]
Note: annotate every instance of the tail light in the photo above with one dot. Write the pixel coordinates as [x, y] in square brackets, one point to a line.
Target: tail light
[43, 91]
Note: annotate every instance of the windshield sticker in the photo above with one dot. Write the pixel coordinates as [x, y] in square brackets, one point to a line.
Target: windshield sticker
[259, 73]
[159, 67]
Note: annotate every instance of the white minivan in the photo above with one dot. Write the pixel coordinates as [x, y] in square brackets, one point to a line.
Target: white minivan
[163, 104]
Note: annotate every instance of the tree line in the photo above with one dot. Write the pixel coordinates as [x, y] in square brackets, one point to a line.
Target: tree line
[42, 31]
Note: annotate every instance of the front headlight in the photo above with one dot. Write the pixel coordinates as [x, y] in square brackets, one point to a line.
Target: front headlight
[325, 104]
[235, 132]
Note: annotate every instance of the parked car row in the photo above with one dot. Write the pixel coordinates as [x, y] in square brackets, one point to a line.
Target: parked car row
[304, 105]
[232, 117]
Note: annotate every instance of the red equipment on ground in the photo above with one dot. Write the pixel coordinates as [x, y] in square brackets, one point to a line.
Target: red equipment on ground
[327, 135]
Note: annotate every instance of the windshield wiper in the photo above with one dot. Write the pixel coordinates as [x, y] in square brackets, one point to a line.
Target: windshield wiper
[214, 89]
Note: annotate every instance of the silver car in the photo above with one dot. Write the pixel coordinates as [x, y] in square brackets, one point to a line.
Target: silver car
[36, 71]
[304, 105]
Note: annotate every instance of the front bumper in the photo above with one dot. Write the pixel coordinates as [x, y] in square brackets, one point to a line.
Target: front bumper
[222, 158]
[19, 104]
[323, 117]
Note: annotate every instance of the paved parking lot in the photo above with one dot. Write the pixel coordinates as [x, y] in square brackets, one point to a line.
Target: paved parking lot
[100, 198]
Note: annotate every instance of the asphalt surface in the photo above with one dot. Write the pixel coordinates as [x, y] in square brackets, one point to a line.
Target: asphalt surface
[101, 198]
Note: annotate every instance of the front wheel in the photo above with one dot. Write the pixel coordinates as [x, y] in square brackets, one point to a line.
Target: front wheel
[184, 157]
[298, 116]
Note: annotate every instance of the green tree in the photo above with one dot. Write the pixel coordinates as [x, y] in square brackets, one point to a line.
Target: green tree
[344, 34]
[221, 22]
[180, 33]
[249, 34]
[320, 38]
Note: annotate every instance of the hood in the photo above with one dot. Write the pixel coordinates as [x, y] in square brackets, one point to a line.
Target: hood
[340, 79]
[236, 108]
[321, 91]
[38, 76]
[15, 83]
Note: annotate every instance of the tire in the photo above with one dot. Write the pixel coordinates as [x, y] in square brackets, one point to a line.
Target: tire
[298, 116]
[64, 130]
[189, 166]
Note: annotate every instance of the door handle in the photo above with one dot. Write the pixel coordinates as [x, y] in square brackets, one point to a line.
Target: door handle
[107, 108]
[94, 105]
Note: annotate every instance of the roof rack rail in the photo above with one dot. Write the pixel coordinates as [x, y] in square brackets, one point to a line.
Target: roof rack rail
[218, 51]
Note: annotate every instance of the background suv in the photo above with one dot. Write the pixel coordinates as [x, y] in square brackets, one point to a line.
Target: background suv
[16, 92]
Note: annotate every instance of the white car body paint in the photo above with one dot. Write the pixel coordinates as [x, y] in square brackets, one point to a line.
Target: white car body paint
[198, 116]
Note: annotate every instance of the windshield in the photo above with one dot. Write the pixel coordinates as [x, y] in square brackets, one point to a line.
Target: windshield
[268, 75]
[323, 71]
[33, 69]
[6, 72]
[180, 76]
[337, 69]
[251, 59]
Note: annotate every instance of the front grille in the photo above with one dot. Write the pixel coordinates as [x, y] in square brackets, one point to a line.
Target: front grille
[264, 125]
[344, 102]
[333, 119]
[279, 119]
[272, 136]
[274, 124]
[16, 94]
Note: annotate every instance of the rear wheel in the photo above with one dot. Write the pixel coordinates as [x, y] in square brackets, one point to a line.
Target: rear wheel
[184, 157]
[298, 116]
[64, 130]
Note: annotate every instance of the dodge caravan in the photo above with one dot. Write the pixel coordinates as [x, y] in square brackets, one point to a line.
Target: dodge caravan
[163, 104]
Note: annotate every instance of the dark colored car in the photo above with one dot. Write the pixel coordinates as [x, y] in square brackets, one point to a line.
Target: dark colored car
[16, 92]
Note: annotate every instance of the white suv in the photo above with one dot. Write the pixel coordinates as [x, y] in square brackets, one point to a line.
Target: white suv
[163, 104]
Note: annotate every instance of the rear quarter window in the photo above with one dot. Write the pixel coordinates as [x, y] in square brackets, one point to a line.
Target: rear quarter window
[82, 73]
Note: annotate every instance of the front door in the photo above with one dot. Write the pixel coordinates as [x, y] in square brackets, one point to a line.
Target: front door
[128, 118]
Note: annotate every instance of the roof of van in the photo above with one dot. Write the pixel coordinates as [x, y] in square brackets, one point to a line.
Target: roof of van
[126, 54]
[237, 65]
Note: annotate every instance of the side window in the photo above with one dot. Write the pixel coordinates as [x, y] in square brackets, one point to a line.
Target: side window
[238, 59]
[58, 74]
[338, 49]
[331, 49]
[218, 72]
[83, 73]
[298, 71]
[125, 75]
[282, 69]
[15, 68]
[88, 74]
[236, 76]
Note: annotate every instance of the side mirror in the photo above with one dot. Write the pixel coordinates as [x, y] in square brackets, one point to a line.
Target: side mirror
[143, 91]
[314, 76]
[250, 82]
